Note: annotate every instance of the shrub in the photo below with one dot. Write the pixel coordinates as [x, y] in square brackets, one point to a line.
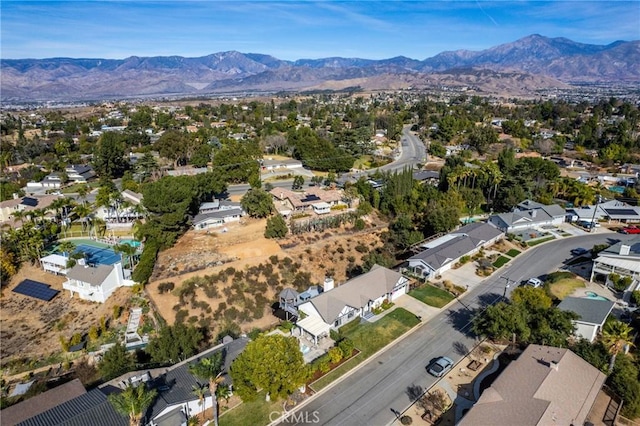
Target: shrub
[93, 333]
[254, 333]
[406, 420]
[361, 248]
[117, 310]
[635, 297]
[335, 355]
[324, 365]
[359, 224]
[464, 259]
[346, 347]
[166, 287]
[286, 326]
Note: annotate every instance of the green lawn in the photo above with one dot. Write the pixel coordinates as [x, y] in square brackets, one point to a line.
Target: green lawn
[431, 295]
[513, 253]
[251, 413]
[501, 261]
[540, 241]
[564, 287]
[369, 338]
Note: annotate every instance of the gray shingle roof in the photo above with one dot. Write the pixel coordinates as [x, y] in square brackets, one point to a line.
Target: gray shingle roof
[176, 385]
[356, 292]
[592, 311]
[614, 250]
[42, 402]
[219, 214]
[466, 239]
[92, 408]
[94, 275]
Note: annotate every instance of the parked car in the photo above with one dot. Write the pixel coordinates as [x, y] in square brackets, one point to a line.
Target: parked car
[534, 282]
[631, 230]
[579, 251]
[440, 366]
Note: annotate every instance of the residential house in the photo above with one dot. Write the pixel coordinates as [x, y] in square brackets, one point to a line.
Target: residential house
[527, 215]
[356, 298]
[441, 254]
[79, 173]
[431, 177]
[593, 313]
[611, 210]
[90, 408]
[176, 401]
[8, 208]
[55, 263]
[96, 283]
[217, 213]
[288, 201]
[40, 403]
[288, 163]
[544, 386]
[622, 258]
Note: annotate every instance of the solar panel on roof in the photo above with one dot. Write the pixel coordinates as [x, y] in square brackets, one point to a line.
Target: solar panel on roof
[310, 197]
[621, 212]
[28, 201]
[35, 289]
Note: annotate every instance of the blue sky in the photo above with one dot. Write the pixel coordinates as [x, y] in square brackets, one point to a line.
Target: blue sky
[299, 29]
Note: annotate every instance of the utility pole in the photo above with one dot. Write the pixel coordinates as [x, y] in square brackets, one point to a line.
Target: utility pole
[593, 218]
[507, 285]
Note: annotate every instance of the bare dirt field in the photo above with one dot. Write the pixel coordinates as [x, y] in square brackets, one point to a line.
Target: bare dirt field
[235, 276]
[31, 327]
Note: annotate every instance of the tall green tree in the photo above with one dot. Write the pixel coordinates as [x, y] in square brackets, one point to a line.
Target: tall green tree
[210, 369]
[109, 157]
[116, 361]
[271, 362]
[616, 335]
[257, 203]
[175, 343]
[276, 227]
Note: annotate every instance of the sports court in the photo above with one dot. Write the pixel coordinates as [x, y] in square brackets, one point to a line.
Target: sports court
[98, 255]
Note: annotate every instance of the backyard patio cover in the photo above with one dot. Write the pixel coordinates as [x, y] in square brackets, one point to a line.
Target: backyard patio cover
[314, 326]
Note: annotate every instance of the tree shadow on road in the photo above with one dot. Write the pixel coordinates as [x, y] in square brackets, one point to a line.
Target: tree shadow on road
[414, 392]
[460, 348]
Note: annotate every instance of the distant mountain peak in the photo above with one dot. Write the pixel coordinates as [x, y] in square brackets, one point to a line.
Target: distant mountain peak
[75, 79]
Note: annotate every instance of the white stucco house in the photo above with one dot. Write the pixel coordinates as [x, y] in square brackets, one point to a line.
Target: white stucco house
[441, 254]
[354, 299]
[529, 214]
[96, 283]
[217, 213]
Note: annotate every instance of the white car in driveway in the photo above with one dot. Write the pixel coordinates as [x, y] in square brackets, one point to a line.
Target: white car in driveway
[534, 282]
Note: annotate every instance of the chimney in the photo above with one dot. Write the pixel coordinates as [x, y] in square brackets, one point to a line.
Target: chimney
[553, 365]
[328, 284]
[624, 249]
[15, 196]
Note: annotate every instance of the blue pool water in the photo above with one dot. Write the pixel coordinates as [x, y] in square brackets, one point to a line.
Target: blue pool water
[132, 243]
[592, 295]
[617, 189]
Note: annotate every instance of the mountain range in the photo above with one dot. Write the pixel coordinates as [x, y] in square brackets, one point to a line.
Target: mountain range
[531, 63]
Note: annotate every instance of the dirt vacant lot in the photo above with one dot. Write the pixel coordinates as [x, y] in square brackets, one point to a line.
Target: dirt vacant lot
[31, 327]
[235, 276]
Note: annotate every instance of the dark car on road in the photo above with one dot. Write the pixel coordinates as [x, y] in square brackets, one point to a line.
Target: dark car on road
[579, 251]
[440, 366]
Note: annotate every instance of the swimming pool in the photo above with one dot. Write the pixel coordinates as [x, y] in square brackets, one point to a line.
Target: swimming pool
[304, 348]
[132, 243]
[95, 252]
[595, 296]
[617, 189]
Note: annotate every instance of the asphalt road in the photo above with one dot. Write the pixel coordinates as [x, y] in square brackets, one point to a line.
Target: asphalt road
[370, 394]
[413, 152]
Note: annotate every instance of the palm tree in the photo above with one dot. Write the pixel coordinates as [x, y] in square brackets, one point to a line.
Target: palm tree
[133, 402]
[67, 248]
[83, 191]
[128, 251]
[616, 335]
[210, 369]
[224, 392]
[84, 213]
[201, 392]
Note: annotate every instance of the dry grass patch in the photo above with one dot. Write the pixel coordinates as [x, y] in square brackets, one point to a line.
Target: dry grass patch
[565, 287]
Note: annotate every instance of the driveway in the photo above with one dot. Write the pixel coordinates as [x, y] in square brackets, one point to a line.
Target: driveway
[464, 275]
[415, 306]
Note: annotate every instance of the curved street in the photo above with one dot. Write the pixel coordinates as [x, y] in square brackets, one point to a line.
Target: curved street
[379, 387]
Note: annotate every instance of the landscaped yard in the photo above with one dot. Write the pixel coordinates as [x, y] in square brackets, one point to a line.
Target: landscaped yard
[540, 241]
[251, 413]
[513, 253]
[501, 261]
[431, 295]
[369, 338]
[564, 287]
